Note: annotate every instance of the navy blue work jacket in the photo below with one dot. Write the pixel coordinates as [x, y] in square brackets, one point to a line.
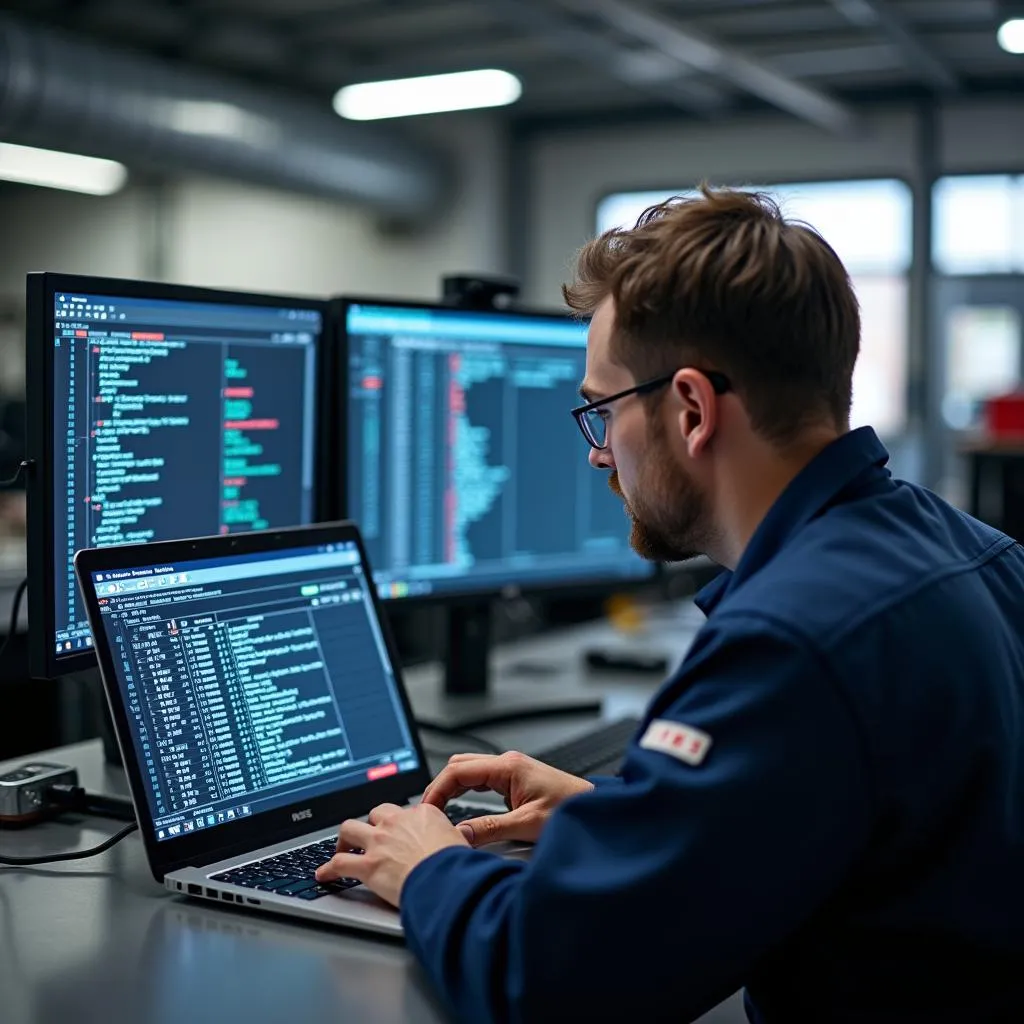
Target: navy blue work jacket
[824, 804]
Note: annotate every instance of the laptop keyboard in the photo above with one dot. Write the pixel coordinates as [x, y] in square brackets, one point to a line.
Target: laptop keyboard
[292, 873]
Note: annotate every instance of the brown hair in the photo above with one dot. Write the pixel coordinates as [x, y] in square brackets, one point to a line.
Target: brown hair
[722, 281]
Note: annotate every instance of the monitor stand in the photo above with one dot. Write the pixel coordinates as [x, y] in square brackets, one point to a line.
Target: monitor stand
[474, 696]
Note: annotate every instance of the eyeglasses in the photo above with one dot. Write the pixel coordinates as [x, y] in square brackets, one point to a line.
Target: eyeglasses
[592, 418]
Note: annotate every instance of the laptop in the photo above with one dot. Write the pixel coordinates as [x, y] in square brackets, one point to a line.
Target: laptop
[258, 702]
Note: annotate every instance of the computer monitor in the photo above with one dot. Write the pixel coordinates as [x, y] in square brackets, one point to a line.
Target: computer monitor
[462, 465]
[159, 412]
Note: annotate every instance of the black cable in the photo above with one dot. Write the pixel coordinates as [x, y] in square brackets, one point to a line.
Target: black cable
[12, 627]
[74, 798]
[76, 855]
[114, 807]
[11, 481]
[460, 734]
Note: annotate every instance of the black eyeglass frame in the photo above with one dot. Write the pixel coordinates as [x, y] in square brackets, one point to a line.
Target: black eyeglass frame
[718, 381]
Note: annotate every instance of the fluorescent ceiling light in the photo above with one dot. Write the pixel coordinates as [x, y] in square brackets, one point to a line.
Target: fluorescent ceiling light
[431, 94]
[1011, 35]
[52, 169]
[219, 121]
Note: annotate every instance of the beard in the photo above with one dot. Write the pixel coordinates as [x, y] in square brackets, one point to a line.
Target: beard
[668, 510]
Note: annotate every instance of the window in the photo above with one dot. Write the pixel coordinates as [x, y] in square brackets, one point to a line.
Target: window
[983, 355]
[978, 224]
[978, 253]
[869, 224]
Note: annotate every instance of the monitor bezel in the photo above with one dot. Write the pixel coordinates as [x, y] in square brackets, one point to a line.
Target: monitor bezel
[41, 286]
[587, 586]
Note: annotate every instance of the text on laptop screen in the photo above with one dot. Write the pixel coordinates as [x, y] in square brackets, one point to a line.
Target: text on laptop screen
[175, 419]
[253, 682]
[458, 429]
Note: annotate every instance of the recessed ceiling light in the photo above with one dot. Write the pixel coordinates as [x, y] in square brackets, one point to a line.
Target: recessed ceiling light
[431, 94]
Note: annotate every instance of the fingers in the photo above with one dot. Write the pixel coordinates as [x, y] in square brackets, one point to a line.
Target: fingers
[383, 813]
[353, 835]
[483, 771]
[343, 865]
[443, 788]
[523, 825]
[473, 771]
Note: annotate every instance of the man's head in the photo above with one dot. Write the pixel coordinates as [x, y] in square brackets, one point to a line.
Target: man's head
[718, 284]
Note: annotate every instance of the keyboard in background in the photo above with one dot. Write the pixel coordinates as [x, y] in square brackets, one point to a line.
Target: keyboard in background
[599, 751]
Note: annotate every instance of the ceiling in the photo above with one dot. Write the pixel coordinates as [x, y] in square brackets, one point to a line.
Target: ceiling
[577, 58]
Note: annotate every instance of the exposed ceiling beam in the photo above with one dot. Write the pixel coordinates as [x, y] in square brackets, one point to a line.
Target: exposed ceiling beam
[841, 60]
[693, 49]
[645, 71]
[878, 13]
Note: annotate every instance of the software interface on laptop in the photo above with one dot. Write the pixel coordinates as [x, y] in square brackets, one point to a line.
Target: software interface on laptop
[252, 682]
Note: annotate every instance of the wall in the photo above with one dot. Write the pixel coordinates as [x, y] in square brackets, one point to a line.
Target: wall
[50, 230]
[240, 237]
[217, 233]
[982, 135]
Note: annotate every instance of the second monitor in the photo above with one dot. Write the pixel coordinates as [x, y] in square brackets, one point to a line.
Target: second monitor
[463, 466]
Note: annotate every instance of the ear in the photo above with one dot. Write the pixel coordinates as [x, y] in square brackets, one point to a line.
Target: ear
[696, 408]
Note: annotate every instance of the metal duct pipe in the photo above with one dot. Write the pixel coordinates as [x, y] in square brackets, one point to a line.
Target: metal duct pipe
[60, 93]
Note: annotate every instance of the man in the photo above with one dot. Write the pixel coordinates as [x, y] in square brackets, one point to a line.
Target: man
[825, 803]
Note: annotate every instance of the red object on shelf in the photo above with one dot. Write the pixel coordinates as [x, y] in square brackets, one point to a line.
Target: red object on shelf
[1004, 415]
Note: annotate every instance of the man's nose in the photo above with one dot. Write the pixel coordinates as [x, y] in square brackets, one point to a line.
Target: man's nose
[601, 458]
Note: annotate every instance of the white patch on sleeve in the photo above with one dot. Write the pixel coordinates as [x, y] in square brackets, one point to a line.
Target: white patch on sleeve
[684, 742]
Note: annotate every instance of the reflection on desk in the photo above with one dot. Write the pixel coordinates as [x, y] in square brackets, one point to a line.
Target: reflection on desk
[214, 966]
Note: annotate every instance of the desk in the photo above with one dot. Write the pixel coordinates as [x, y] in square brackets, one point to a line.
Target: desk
[99, 942]
[996, 483]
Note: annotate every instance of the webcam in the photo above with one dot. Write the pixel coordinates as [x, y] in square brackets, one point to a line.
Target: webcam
[479, 291]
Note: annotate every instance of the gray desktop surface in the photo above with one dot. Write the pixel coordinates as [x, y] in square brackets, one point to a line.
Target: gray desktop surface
[99, 942]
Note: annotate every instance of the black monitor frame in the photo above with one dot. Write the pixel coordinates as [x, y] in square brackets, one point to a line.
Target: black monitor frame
[469, 608]
[41, 287]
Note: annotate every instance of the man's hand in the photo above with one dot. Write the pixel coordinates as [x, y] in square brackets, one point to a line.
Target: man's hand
[532, 790]
[395, 841]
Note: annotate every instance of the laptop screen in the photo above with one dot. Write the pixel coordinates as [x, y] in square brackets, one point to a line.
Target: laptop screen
[252, 682]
